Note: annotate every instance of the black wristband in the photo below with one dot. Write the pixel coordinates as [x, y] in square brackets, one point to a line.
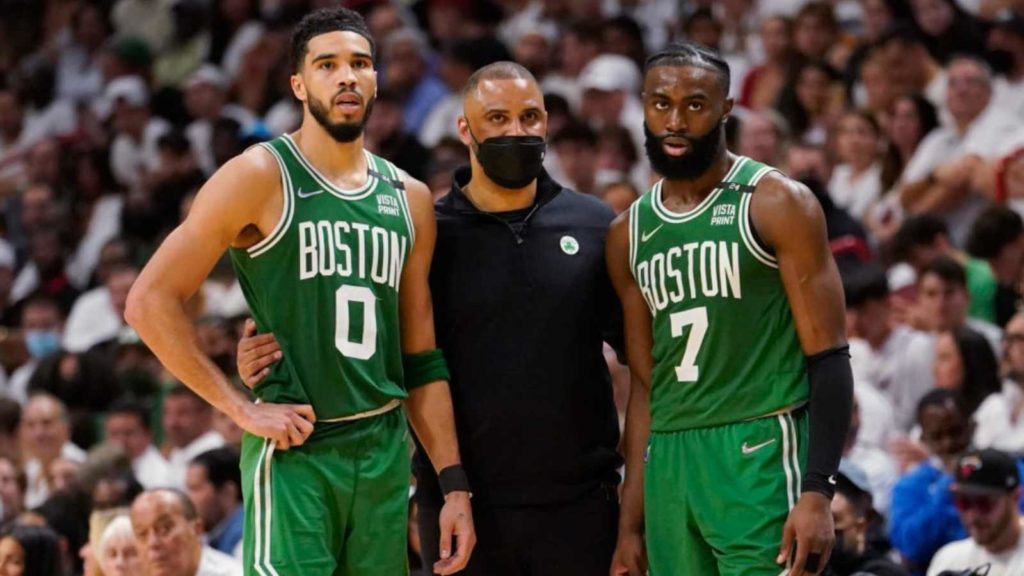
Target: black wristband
[453, 479]
[831, 406]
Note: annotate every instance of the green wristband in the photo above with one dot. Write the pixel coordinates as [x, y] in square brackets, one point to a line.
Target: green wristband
[423, 368]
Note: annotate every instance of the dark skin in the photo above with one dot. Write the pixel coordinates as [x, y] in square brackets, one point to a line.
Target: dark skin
[691, 101]
[239, 206]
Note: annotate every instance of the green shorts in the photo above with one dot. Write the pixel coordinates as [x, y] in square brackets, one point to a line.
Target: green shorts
[337, 505]
[716, 499]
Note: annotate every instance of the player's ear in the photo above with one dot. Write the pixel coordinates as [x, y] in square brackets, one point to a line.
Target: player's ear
[726, 109]
[463, 127]
[298, 87]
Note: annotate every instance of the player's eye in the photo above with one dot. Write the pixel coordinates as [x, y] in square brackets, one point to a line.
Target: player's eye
[531, 117]
[660, 105]
[498, 119]
[360, 65]
[326, 65]
[696, 106]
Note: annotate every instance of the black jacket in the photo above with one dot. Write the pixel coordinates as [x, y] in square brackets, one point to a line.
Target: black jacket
[521, 316]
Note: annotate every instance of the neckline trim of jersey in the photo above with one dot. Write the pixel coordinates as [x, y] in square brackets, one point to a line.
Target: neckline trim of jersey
[345, 194]
[680, 217]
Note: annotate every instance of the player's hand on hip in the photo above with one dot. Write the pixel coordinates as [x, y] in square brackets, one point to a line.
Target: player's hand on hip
[630, 558]
[456, 520]
[811, 528]
[256, 352]
[288, 425]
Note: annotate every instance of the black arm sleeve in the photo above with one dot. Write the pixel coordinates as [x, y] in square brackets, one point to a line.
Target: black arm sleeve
[831, 407]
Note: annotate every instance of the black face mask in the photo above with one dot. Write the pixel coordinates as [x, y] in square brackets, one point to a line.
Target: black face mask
[703, 151]
[511, 161]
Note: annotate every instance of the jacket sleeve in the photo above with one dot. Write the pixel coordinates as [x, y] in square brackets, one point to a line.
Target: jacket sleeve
[923, 516]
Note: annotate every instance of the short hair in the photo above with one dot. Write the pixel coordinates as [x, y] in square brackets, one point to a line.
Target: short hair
[576, 132]
[40, 299]
[187, 507]
[902, 32]
[700, 14]
[920, 230]
[820, 10]
[986, 69]
[994, 229]
[324, 21]
[942, 398]
[62, 409]
[10, 416]
[587, 30]
[181, 391]
[407, 34]
[119, 527]
[691, 54]
[947, 269]
[503, 70]
[866, 283]
[221, 466]
[129, 407]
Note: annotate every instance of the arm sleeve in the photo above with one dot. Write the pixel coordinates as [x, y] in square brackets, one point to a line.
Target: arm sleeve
[831, 407]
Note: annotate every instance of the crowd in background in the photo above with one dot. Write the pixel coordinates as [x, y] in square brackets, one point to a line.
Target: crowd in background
[904, 117]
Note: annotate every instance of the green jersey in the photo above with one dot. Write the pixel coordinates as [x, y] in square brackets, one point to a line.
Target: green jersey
[725, 346]
[325, 283]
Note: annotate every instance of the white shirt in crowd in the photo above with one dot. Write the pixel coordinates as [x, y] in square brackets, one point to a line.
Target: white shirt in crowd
[151, 469]
[855, 195]
[901, 370]
[130, 159]
[38, 487]
[881, 471]
[92, 320]
[966, 554]
[216, 563]
[179, 458]
[996, 426]
[104, 226]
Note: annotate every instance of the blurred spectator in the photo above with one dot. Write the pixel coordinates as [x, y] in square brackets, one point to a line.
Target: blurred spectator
[878, 92]
[214, 484]
[986, 494]
[853, 514]
[938, 177]
[133, 151]
[622, 35]
[36, 209]
[942, 301]
[948, 29]
[386, 136]
[886, 356]
[911, 66]
[113, 489]
[42, 323]
[206, 100]
[997, 237]
[188, 46]
[78, 74]
[764, 136]
[610, 86]
[30, 551]
[126, 56]
[810, 102]
[534, 48]
[45, 271]
[764, 83]
[459, 59]
[98, 315]
[128, 426]
[619, 195]
[618, 158]
[580, 44]
[1005, 45]
[910, 120]
[12, 489]
[965, 362]
[234, 29]
[386, 17]
[117, 552]
[878, 16]
[879, 469]
[168, 532]
[10, 424]
[45, 433]
[923, 516]
[1000, 421]
[575, 147]
[407, 71]
[856, 181]
[96, 206]
[149, 20]
[921, 239]
[816, 34]
[188, 431]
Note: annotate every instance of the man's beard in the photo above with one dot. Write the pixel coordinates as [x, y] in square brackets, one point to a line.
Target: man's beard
[340, 131]
[703, 151]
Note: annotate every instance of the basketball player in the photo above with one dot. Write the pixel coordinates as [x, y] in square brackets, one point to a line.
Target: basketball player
[735, 335]
[332, 246]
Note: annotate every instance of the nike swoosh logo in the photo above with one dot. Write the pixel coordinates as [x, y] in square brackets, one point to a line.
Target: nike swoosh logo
[647, 235]
[302, 194]
[747, 450]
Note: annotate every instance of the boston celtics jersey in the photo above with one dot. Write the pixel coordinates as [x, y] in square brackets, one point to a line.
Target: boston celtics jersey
[725, 346]
[325, 283]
